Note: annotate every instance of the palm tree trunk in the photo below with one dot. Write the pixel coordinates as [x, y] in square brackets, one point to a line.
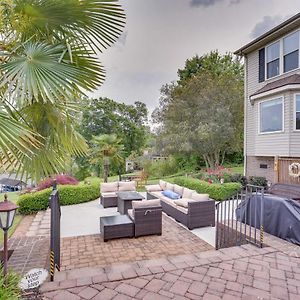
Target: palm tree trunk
[105, 169]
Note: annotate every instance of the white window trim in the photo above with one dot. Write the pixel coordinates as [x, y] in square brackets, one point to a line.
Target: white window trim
[259, 115]
[295, 111]
[281, 62]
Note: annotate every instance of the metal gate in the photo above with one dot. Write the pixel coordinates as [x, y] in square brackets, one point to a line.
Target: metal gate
[247, 227]
[54, 232]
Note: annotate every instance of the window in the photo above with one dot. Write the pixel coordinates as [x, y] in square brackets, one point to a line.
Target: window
[297, 108]
[271, 116]
[273, 54]
[291, 52]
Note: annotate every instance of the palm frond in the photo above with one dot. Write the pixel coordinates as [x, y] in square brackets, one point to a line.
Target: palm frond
[97, 23]
[38, 73]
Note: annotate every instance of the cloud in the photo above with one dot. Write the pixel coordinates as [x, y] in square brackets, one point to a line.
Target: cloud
[206, 3]
[267, 23]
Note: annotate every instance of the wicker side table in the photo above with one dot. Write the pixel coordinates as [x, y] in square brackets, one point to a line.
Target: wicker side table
[114, 227]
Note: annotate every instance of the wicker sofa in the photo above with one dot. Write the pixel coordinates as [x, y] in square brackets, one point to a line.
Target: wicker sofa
[193, 210]
[109, 192]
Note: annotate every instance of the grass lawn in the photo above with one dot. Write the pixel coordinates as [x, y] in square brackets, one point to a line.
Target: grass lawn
[238, 169]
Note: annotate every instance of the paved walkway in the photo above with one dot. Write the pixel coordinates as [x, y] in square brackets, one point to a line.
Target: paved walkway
[244, 272]
[90, 250]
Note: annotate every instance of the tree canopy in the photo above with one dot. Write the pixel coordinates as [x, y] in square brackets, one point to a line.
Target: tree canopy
[203, 112]
[106, 116]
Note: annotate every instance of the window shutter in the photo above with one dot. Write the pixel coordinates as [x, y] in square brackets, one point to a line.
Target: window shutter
[261, 67]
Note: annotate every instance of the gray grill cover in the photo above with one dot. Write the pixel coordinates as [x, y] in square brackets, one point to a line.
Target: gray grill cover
[281, 216]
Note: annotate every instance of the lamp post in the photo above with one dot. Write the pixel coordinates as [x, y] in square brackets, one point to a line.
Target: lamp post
[7, 215]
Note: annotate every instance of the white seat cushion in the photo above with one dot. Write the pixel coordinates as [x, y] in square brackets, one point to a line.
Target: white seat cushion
[145, 203]
[127, 186]
[107, 187]
[109, 194]
[157, 194]
[170, 186]
[153, 188]
[178, 189]
[187, 193]
[163, 184]
[184, 202]
[200, 197]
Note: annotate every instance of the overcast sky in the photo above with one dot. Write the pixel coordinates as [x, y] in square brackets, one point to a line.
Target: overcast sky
[161, 34]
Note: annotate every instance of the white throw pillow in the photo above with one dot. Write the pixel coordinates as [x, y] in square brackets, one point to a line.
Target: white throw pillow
[163, 184]
[107, 187]
[200, 197]
[187, 193]
[153, 188]
[170, 187]
[178, 189]
[125, 186]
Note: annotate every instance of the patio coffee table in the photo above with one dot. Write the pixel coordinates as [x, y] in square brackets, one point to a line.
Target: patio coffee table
[113, 227]
[125, 201]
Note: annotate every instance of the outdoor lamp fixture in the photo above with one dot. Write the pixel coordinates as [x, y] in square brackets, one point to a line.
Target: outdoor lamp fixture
[7, 215]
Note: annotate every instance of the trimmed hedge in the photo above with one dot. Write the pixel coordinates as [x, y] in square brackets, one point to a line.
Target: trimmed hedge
[216, 191]
[68, 194]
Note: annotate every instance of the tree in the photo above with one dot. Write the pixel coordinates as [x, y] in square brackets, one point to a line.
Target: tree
[107, 149]
[128, 122]
[203, 113]
[48, 59]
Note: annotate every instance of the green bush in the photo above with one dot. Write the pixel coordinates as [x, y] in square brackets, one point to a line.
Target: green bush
[258, 181]
[160, 168]
[216, 191]
[68, 194]
[9, 290]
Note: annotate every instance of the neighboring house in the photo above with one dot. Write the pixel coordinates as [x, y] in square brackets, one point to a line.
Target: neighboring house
[272, 103]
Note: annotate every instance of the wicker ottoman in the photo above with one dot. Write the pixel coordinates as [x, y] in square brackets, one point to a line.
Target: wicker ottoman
[114, 227]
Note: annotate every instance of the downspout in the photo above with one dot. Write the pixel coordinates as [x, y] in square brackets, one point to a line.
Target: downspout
[245, 111]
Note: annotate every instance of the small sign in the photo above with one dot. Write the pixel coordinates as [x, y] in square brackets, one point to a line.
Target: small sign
[33, 279]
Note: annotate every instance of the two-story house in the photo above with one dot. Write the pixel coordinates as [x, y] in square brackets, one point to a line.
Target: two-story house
[272, 103]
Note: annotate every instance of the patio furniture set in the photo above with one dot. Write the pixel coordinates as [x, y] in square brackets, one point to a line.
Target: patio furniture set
[139, 217]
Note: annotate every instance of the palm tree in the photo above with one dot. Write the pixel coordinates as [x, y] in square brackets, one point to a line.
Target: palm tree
[107, 149]
[48, 60]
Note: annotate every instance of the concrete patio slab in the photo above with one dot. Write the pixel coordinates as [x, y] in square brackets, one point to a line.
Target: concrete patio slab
[83, 219]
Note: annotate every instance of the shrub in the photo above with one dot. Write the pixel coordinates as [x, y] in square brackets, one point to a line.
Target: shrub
[9, 290]
[160, 168]
[60, 179]
[258, 181]
[68, 194]
[238, 178]
[216, 191]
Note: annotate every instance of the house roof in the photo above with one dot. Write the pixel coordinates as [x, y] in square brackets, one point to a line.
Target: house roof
[290, 80]
[283, 28]
[12, 182]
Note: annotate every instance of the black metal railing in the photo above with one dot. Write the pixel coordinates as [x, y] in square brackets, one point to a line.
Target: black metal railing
[240, 218]
[54, 232]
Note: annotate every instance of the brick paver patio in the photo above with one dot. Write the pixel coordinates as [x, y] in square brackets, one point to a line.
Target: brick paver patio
[86, 251]
[244, 272]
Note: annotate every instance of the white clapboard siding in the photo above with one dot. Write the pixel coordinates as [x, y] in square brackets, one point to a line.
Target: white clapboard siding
[282, 144]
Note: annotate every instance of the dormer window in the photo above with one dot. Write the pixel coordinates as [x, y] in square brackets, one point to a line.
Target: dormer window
[291, 52]
[273, 61]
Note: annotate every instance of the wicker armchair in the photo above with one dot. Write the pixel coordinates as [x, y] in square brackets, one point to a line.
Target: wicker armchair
[147, 217]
